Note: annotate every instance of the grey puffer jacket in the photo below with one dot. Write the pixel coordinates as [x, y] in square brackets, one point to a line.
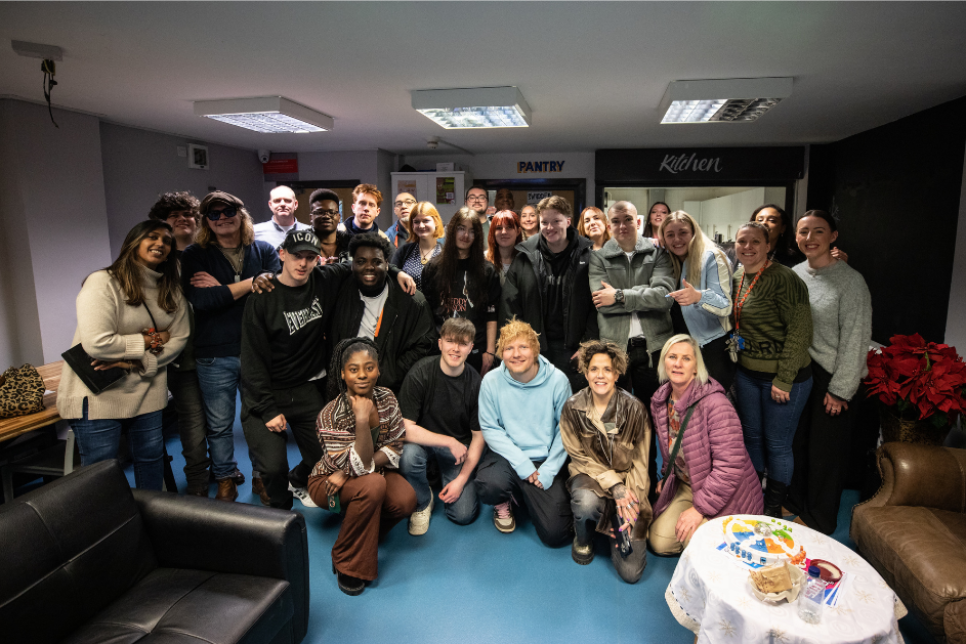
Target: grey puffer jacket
[646, 278]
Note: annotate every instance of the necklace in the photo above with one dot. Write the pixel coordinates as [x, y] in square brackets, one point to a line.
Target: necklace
[423, 258]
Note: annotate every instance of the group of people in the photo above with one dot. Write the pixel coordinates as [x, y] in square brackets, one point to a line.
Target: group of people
[531, 360]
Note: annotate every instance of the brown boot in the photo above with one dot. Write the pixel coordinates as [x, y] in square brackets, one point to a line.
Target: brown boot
[259, 488]
[227, 490]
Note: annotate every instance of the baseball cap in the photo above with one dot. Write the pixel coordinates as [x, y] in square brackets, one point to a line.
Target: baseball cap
[299, 240]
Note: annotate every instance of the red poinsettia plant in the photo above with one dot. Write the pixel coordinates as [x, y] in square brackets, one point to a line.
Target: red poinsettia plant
[919, 380]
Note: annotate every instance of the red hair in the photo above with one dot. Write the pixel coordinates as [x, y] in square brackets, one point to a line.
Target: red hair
[502, 218]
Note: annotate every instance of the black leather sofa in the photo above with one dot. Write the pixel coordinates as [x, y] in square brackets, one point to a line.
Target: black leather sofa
[86, 559]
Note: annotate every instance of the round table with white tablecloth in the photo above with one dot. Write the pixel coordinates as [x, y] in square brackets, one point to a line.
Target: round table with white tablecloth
[710, 594]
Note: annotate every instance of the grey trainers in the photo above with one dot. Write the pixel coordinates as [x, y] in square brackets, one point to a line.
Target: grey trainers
[503, 518]
[302, 494]
[582, 554]
[419, 520]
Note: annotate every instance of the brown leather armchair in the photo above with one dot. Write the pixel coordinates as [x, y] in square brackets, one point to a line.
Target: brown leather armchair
[913, 532]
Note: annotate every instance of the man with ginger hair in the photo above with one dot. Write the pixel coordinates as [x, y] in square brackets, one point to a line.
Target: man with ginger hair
[366, 204]
[520, 406]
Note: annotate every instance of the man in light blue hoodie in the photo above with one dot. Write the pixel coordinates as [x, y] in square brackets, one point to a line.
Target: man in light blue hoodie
[520, 405]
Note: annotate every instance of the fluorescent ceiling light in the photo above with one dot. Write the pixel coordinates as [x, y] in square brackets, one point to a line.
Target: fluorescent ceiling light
[473, 107]
[269, 114]
[736, 100]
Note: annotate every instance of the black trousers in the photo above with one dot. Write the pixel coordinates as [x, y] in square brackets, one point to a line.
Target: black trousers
[496, 482]
[718, 362]
[821, 451]
[301, 406]
[560, 356]
[192, 426]
[641, 380]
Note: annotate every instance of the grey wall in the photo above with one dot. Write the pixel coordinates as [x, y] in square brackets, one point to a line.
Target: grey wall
[54, 224]
[139, 165]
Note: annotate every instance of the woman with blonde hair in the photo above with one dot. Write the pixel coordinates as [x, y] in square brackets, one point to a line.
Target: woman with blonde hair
[702, 275]
[593, 225]
[425, 230]
[700, 433]
[131, 316]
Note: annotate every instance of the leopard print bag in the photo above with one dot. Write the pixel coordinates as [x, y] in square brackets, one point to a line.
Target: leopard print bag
[21, 392]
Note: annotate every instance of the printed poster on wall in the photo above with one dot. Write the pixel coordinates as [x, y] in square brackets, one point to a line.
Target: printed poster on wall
[407, 185]
[533, 198]
[445, 190]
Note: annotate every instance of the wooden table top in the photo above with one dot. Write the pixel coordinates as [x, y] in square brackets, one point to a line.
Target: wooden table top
[13, 427]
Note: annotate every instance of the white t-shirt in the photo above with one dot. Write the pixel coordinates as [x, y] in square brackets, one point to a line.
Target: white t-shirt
[636, 330]
[372, 313]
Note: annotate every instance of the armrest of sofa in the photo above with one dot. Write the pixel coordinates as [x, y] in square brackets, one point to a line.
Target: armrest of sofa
[921, 476]
[203, 534]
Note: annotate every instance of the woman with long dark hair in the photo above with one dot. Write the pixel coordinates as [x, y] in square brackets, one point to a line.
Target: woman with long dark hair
[659, 210]
[425, 229]
[781, 234]
[361, 431]
[461, 283]
[505, 234]
[131, 316]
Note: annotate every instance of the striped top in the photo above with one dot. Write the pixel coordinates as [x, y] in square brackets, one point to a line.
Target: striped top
[775, 322]
[336, 426]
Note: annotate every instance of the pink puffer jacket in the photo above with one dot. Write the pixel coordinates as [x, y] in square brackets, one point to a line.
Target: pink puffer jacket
[722, 477]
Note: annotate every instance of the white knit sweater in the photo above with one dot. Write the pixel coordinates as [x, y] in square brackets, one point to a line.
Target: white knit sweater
[110, 329]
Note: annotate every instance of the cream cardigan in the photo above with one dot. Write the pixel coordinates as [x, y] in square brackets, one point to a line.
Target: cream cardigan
[110, 329]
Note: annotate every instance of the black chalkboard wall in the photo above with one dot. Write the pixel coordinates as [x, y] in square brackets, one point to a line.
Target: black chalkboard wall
[896, 189]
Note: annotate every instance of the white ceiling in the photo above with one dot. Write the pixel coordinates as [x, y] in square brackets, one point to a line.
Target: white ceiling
[593, 73]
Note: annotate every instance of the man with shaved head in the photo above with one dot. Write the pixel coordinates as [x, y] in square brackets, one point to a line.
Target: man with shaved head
[283, 204]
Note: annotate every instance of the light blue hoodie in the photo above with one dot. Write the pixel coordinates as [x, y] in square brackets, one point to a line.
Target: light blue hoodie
[521, 422]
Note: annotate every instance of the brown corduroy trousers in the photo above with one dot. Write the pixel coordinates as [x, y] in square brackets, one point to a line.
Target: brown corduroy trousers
[372, 505]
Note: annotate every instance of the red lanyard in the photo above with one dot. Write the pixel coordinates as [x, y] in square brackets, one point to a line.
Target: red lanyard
[739, 305]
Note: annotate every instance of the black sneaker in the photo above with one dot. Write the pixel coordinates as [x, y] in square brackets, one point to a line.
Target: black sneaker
[349, 585]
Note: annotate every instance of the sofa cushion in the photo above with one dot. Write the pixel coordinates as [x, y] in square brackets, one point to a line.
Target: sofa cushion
[174, 606]
[921, 553]
[57, 543]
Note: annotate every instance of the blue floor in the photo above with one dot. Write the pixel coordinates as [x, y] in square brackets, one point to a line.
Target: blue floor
[473, 584]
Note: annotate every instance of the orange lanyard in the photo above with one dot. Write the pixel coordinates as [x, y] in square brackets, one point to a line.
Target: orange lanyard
[379, 322]
[739, 305]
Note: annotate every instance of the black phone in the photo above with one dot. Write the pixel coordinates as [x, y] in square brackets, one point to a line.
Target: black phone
[623, 538]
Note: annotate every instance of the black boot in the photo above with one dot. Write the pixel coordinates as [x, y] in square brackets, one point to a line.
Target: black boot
[775, 493]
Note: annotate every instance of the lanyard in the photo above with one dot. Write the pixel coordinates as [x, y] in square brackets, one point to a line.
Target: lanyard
[740, 304]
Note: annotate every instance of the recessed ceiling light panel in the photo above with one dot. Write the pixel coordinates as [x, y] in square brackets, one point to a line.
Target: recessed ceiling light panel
[267, 114]
[473, 107]
[738, 100]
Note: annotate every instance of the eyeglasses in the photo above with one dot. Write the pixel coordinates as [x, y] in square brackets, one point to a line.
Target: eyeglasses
[325, 213]
[407, 202]
[476, 198]
[215, 215]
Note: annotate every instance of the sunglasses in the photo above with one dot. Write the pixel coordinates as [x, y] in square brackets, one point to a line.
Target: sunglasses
[215, 215]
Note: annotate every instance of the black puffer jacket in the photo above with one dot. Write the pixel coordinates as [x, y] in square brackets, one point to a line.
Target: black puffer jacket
[523, 295]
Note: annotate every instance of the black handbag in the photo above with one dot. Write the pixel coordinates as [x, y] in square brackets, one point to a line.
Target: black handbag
[80, 363]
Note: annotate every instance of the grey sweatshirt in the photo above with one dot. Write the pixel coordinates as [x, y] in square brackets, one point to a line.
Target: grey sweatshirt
[841, 323]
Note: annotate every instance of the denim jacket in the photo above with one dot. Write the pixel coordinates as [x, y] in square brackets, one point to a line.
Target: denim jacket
[709, 318]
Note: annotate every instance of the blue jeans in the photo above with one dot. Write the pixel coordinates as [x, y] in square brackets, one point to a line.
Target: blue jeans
[768, 426]
[98, 440]
[412, 465]
[220, 379]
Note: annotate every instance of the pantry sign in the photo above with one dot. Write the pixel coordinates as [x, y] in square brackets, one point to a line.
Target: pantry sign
[525, 167]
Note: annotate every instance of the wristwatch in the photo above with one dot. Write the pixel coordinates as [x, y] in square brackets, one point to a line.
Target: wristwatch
[619, 296]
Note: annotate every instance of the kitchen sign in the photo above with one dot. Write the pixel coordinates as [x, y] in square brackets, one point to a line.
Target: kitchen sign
[524, 167]
[669, 166]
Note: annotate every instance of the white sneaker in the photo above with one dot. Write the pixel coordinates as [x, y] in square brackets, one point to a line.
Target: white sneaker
[302, 494]
[419, 520]
[503, 518]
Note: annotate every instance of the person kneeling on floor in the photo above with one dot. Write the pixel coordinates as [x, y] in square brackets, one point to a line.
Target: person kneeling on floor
[520, 406]
[439, 400]
[361, 432]
[607, 433]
